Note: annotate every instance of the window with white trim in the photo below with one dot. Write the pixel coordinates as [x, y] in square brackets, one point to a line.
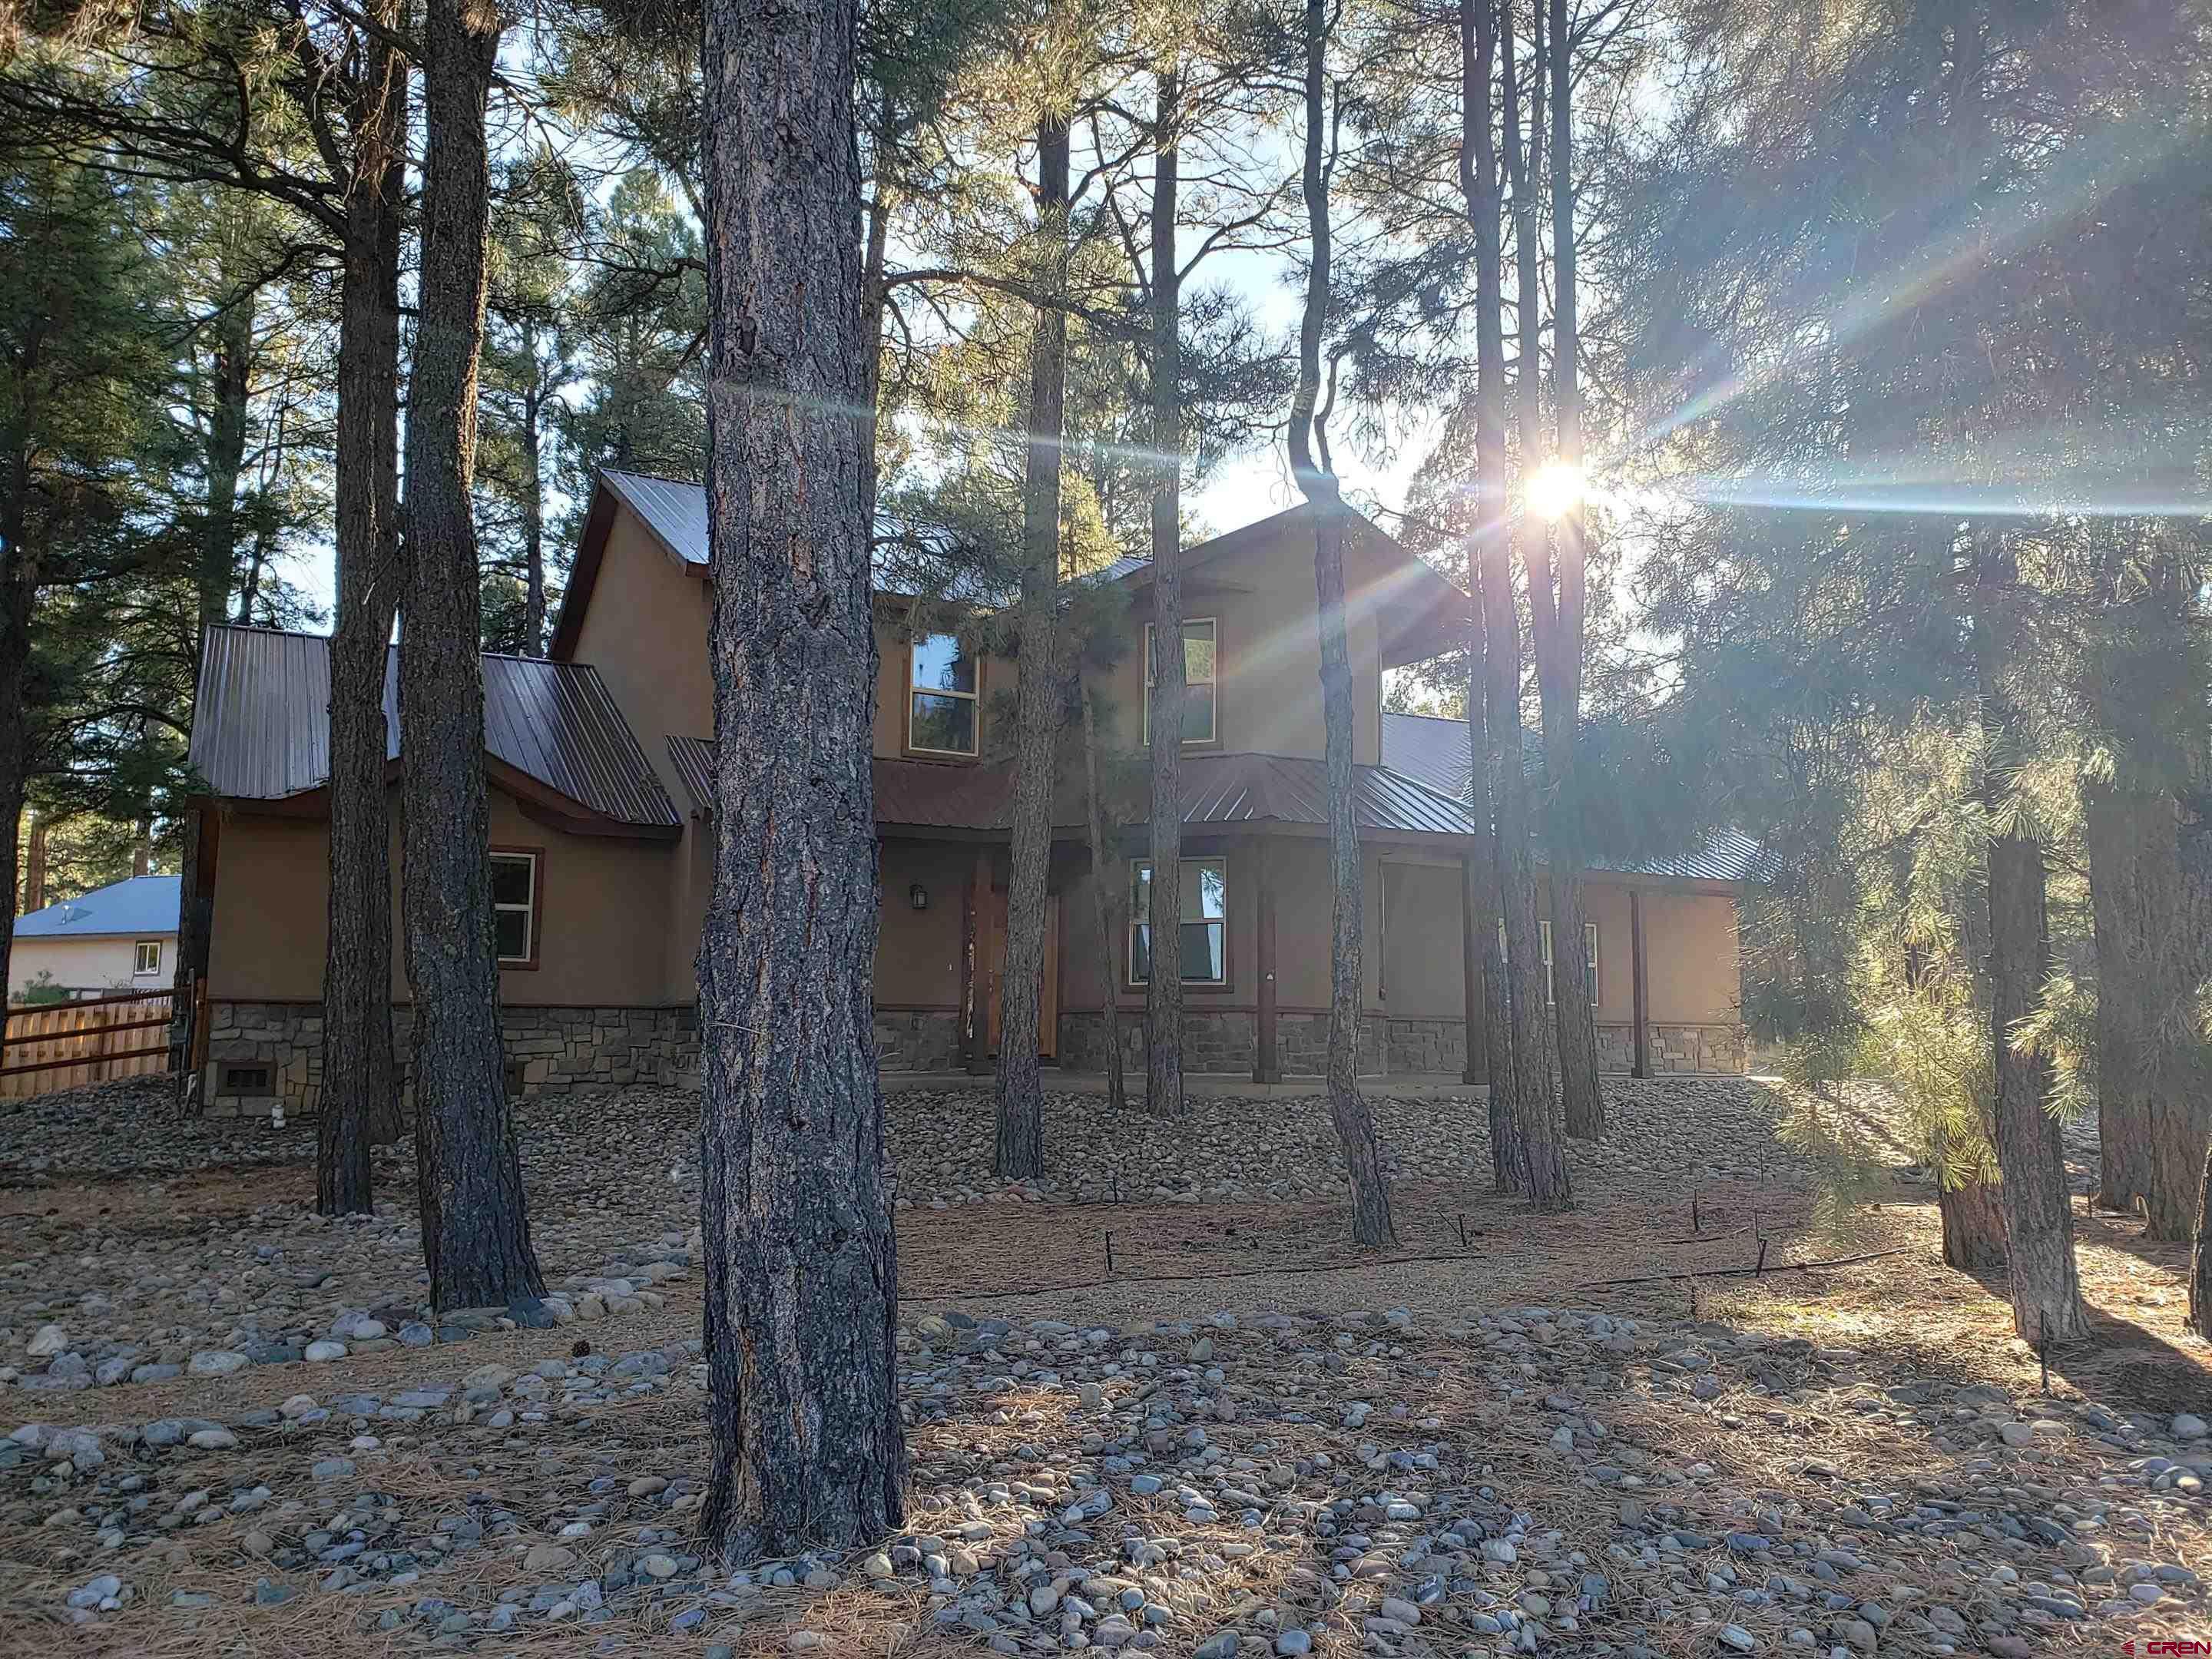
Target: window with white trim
[1204, 917]
[1544, 934]
[942, 705]
[146, 958]
[1201, 712]
[514, 906]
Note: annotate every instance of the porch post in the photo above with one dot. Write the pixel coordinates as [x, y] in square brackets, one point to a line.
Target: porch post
[1471, 943]
[1267, 1062]
[975, 969]
[1639, 997]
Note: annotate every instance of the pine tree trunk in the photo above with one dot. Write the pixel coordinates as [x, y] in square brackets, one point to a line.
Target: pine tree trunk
[18, 594]
[1972, 1216]
[1507, 1160]
[34, 864]
[1163, 982]
[2046, 1291]
[1019, 1154]
[1105, 885]
[1372, 1224]
[533, 512]
[475, 1229]
[1535, 1083]
[1559, 641]
[2200, 1258]
[2181, 1115]
[360, 1103]
[2115, 831]
[802, 1280]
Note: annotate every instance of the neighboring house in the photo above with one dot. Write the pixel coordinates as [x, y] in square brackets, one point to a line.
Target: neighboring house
[599, 763]
[119, 938]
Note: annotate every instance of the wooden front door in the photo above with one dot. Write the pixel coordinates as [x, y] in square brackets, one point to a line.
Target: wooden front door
[994, 953]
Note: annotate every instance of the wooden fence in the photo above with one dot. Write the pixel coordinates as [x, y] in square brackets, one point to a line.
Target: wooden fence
[60, 1045]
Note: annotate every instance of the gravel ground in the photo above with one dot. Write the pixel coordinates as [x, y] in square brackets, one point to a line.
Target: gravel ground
[103, 1286]
[200, 1237]
[1265, 1479]
[1514, 1482]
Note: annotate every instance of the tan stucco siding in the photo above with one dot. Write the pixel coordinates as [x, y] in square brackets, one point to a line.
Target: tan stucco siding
[918, 951]
[1690, 943]
[645, 632]
[103, 964]
[1302, 921]
[604, 919]
[603, 914]
[271, 908]
[1422, 945]
[1606, 904]
[1267, 647]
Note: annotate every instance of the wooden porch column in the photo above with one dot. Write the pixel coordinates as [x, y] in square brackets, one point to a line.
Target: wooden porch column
[975, 968]
[1471, 956]
[1641, 1067]
[1267, 1061]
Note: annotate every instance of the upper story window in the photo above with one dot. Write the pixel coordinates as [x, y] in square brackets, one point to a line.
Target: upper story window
[1200, 699]
[1204, 916]
[146, 957]
[941, 708]
[514, 898]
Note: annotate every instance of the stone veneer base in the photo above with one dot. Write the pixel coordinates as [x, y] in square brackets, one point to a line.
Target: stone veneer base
[553, 1050]
[558, 1049]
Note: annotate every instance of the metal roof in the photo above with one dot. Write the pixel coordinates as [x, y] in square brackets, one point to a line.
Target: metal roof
[1247, 788]
[693, 761]
[1435, 750]
[143, 906]
[674, 511]
[262, 728]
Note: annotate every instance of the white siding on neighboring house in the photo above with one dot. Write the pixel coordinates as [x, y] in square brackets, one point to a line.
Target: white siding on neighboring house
[104, 965]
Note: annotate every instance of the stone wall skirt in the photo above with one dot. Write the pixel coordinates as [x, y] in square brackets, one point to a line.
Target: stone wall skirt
[263, 1054]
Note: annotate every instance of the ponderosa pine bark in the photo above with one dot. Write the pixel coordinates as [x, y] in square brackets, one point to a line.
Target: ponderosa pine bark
[2046, 1288]
[1507, 1160]
[230, 388]
[1105, 888]
[1019, 1148]
[19, 589]
[475, 1226]
[1972, 1217]
[2151, 899]
[1559, 584]
[1163, 978]
[802, 1278]
[359, 1104]
[1535, 1083]
[1371, 1224]
[2116, 826]
[2200, 1258]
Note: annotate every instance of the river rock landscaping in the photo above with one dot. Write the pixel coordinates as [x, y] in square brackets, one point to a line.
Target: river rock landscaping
[240, 1429]
[1521, 1480]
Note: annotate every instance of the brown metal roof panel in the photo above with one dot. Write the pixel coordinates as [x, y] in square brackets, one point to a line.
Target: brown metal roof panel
[261, 731]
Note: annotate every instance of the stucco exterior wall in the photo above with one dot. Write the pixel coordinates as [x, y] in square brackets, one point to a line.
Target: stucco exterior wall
[645, 632]
[1690, 946]
[604, 914]
[103, 964]
[1268, 655]
[918, 951]
[1302, 921]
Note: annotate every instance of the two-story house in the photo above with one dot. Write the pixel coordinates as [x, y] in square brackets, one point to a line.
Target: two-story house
[601, 816]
